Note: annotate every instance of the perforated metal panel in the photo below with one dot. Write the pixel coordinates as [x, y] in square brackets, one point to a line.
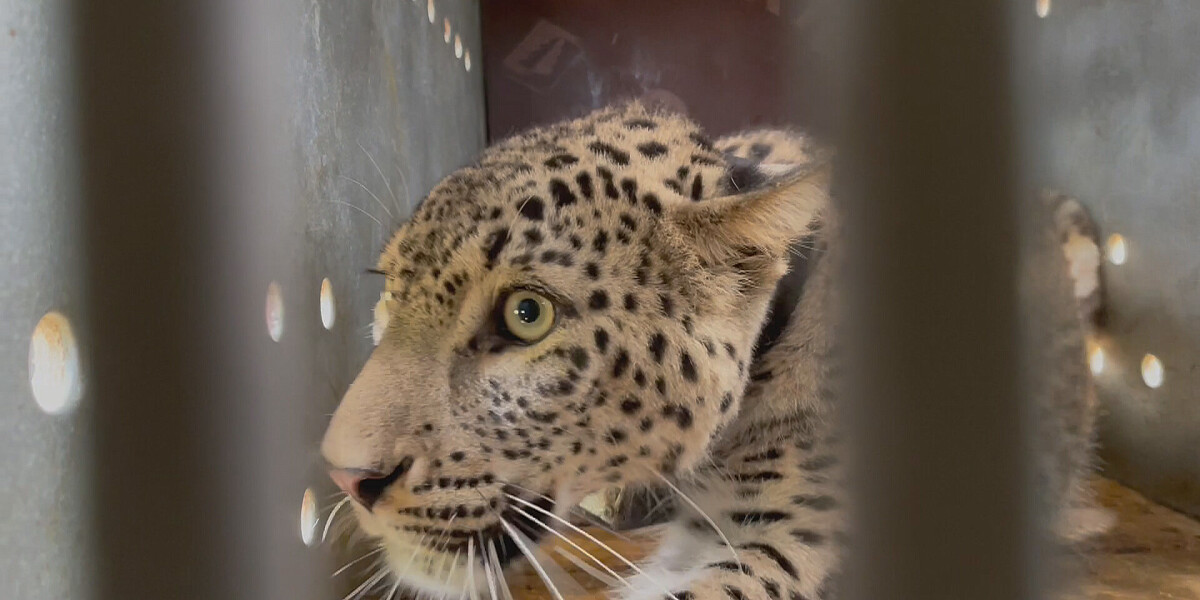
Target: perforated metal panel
[379, 101]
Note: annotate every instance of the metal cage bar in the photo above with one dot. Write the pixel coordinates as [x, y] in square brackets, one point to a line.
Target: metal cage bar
[224, 147]
[194, 465]
[927, 178]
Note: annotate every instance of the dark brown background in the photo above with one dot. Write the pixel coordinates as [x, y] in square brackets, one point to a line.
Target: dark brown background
[729, 64]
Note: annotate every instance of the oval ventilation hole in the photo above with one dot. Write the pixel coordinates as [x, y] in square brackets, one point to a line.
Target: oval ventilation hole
[54, 372]
[1116, 249]
[1042, 7]
[446, 33]
[328, 306]
[467, 60]
[458, 49]
[1152, 371]
[274, 311]
[308, 518]
[432, 11]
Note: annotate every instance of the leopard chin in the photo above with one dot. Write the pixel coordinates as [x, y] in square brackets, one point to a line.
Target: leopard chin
[426, 553]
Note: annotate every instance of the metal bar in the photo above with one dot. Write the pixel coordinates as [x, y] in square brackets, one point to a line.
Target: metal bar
[927, 180]
[196, 473]
[139, 81]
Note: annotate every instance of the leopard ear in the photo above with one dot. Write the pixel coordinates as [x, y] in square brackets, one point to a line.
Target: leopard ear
[751, 229]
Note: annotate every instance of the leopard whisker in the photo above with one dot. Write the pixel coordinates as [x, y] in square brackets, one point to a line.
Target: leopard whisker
[594, 540]
[369, 215]
[356, 561]
[572, 543]
[404, 182]
[517, 217]
[519, 538]
[591, 518]
[372, 194]
[471, 568]
[487, 572]
[329, 497]
[499, 570]
[494, 557]
[576, 529]
[344, 528]
[332, 515]
[367, 585]
[599, 523]
[386, 183]
[412, 556]
[441, 565]
[590, 570]
[453, 568]
[445, 532]
[659, 505]
[565, 581]
[703, 514]
[438, 543]
[392, 592]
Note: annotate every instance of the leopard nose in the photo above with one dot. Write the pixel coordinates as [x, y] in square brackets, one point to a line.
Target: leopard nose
[366, 487]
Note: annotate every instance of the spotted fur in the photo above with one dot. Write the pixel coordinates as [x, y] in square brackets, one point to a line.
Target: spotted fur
[664, 254]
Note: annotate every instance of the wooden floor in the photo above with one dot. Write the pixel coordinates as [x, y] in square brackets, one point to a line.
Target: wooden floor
[1152, 553]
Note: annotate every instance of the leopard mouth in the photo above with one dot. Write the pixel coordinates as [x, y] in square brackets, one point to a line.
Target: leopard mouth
[468, 547]
[524, 519]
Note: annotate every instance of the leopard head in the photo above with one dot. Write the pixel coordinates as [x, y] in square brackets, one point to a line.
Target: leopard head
[575, 311]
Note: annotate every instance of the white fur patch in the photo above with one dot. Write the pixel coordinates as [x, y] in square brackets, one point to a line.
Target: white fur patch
[1083, 261]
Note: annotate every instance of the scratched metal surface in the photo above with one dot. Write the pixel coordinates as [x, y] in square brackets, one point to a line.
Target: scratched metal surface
[385, 109]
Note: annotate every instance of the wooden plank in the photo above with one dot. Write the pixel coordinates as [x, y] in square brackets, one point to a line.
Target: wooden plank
[1153, 552]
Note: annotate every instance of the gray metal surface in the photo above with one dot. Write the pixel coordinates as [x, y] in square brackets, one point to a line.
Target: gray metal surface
[196, 435]
[44, 497]
[383, 102]
[1122, 115]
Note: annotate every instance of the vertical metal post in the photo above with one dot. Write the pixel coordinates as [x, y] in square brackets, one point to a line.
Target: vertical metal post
[140, 82]
[196, 462]
[927, 180]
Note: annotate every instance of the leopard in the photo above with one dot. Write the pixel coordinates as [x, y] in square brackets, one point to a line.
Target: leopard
[619, 300]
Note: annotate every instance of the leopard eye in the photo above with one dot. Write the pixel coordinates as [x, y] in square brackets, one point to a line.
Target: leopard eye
[528, 316]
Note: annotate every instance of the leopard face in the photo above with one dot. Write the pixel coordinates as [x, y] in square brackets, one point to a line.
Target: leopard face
[575, 311]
